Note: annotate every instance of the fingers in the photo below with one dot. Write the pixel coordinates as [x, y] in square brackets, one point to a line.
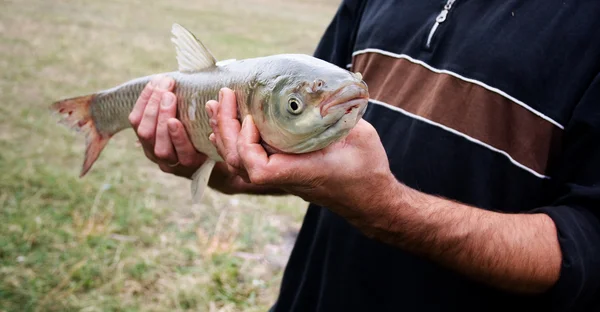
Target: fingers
[162, 136]
[240, 146]
[253, 156]
[277, 169]
[226, 126]
[136, 114]
[163, 147]
[185, 151]
[147, 128]
[227, 122]
[212, 108]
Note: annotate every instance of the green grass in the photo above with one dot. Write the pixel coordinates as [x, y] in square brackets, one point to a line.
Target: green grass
[126, 237]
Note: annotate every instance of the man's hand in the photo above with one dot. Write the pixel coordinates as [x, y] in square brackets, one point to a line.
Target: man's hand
[163, 137]
[346, 176]
[516, 252]
[167, 144]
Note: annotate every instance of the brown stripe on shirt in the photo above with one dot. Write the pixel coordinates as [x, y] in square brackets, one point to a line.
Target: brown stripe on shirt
[463, 106]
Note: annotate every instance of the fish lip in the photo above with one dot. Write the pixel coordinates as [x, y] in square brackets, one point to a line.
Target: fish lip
[351, 104]
[350, 95]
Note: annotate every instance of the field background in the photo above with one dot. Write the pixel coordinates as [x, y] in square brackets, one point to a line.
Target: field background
[126, 237]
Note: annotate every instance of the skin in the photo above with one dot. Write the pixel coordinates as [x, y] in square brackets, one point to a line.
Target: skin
[165, 142]
[515, 252]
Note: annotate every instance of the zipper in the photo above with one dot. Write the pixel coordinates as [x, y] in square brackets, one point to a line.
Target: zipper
[439, 20]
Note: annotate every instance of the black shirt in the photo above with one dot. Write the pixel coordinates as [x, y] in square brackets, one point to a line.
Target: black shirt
[498, 106]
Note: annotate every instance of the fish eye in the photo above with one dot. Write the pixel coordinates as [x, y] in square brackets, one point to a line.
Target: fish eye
[294, 106]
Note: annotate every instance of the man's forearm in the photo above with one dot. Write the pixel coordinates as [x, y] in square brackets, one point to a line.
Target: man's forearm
[515, 252]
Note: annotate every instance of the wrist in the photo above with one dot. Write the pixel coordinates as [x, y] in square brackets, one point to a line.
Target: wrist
[404, 217]
[381, 209]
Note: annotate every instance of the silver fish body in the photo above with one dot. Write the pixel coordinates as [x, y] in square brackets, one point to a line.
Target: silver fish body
[298, 103]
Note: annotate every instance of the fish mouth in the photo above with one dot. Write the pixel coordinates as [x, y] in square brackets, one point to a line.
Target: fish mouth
[348, 98]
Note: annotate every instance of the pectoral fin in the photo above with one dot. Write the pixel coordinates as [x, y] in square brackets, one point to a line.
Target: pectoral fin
[200, 180]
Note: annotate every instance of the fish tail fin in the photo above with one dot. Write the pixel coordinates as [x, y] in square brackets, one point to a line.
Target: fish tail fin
[76, 114]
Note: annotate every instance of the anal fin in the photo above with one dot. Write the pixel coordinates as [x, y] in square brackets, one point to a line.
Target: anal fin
[200, 180]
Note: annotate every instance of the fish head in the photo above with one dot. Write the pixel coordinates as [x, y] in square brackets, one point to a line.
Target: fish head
[308, 104]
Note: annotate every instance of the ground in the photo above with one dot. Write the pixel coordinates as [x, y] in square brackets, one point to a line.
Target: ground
[126, 237]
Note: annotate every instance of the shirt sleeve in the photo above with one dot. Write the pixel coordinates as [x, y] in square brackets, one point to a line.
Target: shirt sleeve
[576, 207]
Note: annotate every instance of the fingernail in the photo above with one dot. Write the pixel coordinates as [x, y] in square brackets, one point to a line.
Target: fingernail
[166, 100]
[164, 83]
[208, 110]
[211, 137]
[220, 95]
[172, 127]
[244, 121]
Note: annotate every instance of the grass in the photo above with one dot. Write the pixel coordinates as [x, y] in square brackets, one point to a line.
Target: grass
[126, 237]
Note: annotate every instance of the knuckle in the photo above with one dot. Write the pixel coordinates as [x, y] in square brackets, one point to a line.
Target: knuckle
[145, 94]
[133, 119]
[150, 113]
[180, 144]
[233, 155]
[239, 145]
[155, 97]
[232, 160]
[162, 153]
[178, 139]
[145, 134]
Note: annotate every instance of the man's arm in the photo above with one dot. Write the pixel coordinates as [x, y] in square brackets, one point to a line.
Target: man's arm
[515, 252]
[352, 178]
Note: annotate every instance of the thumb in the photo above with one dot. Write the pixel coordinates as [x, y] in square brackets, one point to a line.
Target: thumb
[275, 169]
[253, 156]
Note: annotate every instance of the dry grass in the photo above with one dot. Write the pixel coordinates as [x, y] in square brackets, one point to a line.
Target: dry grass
[126, 238]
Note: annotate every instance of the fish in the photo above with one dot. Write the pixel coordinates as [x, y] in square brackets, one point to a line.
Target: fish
[299, 103]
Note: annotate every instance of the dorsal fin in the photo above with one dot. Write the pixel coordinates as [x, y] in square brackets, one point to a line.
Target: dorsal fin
[192, 55]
